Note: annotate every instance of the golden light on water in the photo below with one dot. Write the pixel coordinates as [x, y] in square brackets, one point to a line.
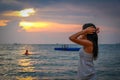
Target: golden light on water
[26, 78]
[26, 65]
[24, 62]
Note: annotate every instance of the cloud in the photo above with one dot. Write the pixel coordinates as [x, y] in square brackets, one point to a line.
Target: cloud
[23, 13]
[84, 11]
[6, 5]
[3, 22]
[60, 16]
[48, 27]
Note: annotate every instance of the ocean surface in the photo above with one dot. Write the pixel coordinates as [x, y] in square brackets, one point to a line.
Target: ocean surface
[44, 63]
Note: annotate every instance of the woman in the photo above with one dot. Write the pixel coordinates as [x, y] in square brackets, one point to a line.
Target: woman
[89, 40]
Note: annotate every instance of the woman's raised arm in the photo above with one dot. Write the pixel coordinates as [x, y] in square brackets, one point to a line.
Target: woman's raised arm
[80, 40]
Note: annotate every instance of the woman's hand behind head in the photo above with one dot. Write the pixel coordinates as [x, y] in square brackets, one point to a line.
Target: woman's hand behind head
[90, 30]
[97, 30]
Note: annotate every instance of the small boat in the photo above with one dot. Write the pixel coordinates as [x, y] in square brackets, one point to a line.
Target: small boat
[67, 49]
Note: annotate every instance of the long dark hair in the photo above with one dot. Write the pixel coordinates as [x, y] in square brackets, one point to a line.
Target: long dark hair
[93, 38]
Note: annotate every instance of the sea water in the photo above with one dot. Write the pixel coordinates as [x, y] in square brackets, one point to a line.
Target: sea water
[44, 63]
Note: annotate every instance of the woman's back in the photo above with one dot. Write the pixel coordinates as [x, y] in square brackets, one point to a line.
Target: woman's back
[86, 69]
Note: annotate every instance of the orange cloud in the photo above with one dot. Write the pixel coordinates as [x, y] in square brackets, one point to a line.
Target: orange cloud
[23, 13]
[48, 27]
[3, 22]
[108, 29]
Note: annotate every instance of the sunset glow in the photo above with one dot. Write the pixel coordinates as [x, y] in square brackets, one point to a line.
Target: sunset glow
[33, 25]
[31, 22]
[3, 22]
[47, 26]
[27, 12]
[23, 13]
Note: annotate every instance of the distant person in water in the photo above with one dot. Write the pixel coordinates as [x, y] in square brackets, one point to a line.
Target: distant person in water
[87, 38]
[26, 53]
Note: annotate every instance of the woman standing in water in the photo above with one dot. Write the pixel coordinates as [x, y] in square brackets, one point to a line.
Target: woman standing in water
[87, 38]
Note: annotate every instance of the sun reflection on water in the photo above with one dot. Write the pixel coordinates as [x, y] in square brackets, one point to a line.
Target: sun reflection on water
[26, 78]
[26, 65]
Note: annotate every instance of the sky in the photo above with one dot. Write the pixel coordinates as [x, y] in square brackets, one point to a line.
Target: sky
[53, 21]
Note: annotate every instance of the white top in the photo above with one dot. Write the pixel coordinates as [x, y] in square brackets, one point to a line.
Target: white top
[86, 69]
